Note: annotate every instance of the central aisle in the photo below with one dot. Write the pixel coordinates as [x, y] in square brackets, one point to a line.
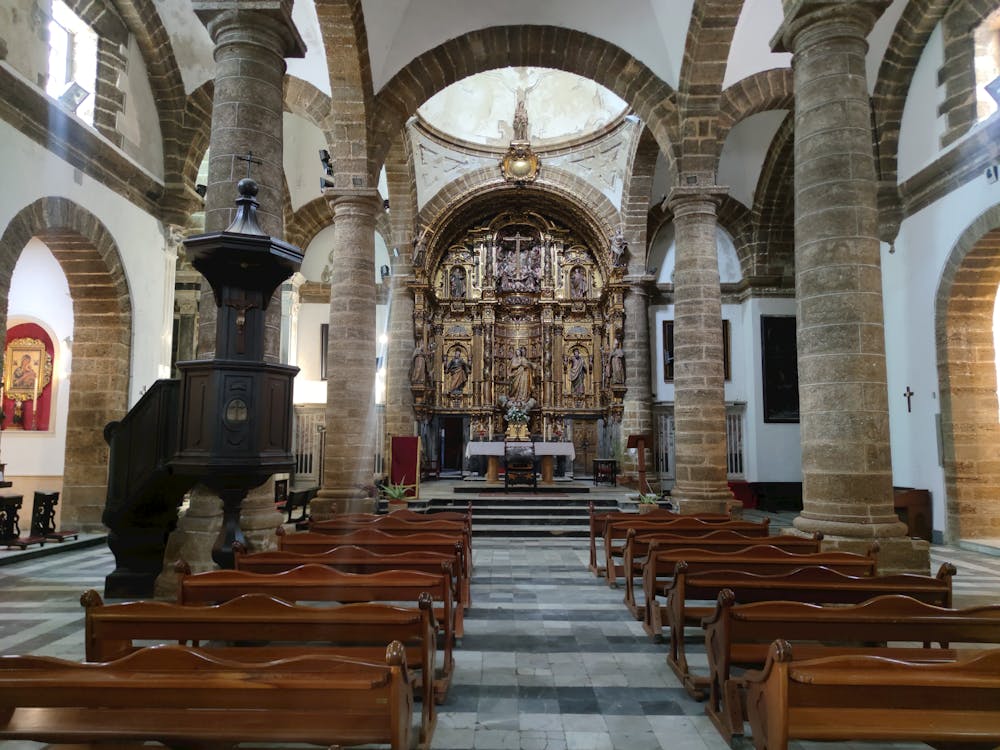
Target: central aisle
[551, 660]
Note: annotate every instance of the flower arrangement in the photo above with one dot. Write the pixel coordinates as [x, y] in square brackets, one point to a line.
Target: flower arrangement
[517, 415]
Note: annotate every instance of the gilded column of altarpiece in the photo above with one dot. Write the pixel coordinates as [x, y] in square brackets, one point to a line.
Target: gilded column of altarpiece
[519, 310]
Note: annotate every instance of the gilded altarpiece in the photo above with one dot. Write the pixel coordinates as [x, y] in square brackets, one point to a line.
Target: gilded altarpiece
[519, 310]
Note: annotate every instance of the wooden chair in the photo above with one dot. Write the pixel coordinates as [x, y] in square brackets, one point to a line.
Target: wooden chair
[43, 518]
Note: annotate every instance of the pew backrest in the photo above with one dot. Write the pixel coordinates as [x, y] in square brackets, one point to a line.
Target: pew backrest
[182, 696]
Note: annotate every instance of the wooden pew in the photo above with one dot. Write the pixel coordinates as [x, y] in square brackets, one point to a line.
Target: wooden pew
[661, 566]
[741, 635]
[314, 583]
[274, 628]
[437, 515]
[811, 584]
[637, 548]
[616, 534]
[354, 559]
[858, 697]
[183, 697]
[393, 523]
[309, 542]
[599, 521]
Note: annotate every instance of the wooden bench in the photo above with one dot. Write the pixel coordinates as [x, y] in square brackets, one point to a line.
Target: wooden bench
[598, 523]
[183, 697]
[660, 568]
[268, 629]
[393, 523]
[310, 542]
[637, 546]
[318, 583]
[858, 697]
[354, 559]
[811, 584]
[616, 534]
[740, 635]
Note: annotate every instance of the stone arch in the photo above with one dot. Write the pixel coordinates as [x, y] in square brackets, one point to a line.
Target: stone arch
[967, 380]
[349, 68]
[706, 53]
[102, 339]
[302, 226]
[595, 211]
[958, 72]
[892, 85]
[653, 100]
[760, 92]
[636, 195]
[772, 243]
[308, 102]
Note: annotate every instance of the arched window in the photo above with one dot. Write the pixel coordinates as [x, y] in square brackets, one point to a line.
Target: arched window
[72, 62]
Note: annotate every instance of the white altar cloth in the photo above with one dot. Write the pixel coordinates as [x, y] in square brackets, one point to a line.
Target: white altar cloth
[496, 448]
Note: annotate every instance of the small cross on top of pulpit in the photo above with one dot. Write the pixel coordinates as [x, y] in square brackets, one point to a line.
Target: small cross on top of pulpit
[249, 160]
[908, 395]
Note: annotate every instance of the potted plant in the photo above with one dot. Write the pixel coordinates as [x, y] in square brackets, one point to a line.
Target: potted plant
[648, 500]
[395, 495]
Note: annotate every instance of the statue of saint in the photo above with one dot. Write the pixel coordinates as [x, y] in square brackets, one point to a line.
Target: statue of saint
[577, 366]
[456, 282]
[578, 284]
[420, 368]
[616, 365]
[520, 120]
[457, 371]
[419, 248]
[520, 376]
[618, 248]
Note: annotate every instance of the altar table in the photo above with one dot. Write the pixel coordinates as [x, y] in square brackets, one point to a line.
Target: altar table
[494, 449]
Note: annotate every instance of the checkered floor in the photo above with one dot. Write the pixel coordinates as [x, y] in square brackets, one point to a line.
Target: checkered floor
[551, 659]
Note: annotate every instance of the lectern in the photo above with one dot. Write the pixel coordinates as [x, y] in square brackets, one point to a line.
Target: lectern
[639, 442]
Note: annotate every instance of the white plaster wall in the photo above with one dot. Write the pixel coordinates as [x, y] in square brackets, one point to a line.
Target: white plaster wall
[653, 31]
[138, 237]
[911, 276]
[773, 449]
[25, 34]
[317, 255]
[921, 128]
[878, 40]
[190, 42]
[303, 169]
[139, 124]
[312, 67]
[663, 250]
[750, 51]
[744, 152]
[39, 294]
[309, 389]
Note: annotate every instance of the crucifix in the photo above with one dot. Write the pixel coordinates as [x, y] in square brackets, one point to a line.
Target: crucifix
[517, 239]
[250, 161]
[908, 395]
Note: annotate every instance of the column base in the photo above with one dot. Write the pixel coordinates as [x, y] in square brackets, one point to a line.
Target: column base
[896, 554]
[259, 520]
[334, 502]
[689, 501]
[192, 540]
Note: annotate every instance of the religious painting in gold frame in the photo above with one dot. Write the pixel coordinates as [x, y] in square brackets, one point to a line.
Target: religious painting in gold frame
[27, 369]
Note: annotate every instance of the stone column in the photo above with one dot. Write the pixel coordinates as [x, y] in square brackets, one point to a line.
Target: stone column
[699, 380]
[846, 462]
[252, 41]
[350, 404]
[399, 416]
[637, 418]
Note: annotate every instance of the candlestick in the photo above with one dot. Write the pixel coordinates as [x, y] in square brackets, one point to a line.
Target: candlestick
[34, 402]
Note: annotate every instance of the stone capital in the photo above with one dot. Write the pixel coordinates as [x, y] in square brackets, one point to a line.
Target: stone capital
[683, 199]
[853, 18]
[262, 22]
[353, 201]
